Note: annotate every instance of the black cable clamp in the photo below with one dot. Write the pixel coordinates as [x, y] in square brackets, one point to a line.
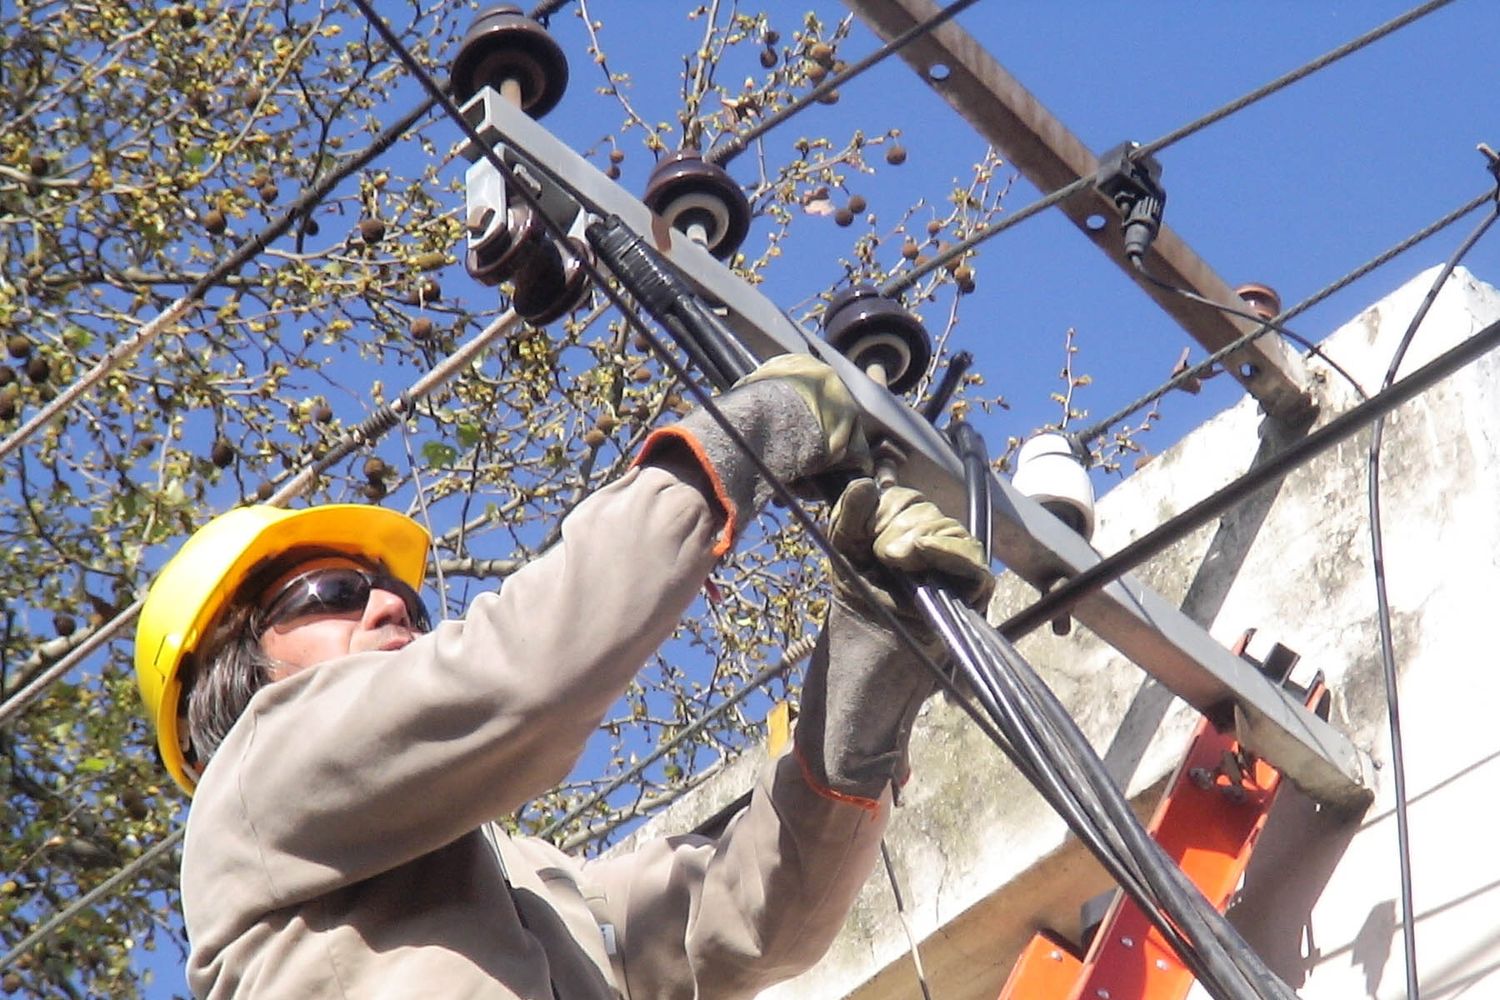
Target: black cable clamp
[1133, 184]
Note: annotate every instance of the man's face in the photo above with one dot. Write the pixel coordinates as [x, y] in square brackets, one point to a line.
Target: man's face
[305, 631]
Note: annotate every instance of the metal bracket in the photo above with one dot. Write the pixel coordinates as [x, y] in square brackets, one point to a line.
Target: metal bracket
[1030, 541]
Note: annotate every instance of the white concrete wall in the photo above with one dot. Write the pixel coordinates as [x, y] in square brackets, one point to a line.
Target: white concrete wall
[983, 862]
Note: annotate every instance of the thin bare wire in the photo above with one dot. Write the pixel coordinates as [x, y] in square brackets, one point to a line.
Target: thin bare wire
[252, 247]
[88, 899]
[1207, 364]
[368, 430]
[907, 279]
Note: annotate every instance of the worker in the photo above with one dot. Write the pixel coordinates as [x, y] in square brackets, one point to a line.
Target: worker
[348, 763]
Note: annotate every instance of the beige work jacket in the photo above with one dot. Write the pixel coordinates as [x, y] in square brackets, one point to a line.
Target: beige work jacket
[338, 844]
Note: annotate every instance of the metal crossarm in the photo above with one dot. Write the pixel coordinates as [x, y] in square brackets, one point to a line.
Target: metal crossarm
[1035, 545]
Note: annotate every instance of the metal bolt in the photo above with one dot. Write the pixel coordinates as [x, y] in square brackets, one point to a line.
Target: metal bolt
[1127, 942]
[1055, 955]
[1161, 964]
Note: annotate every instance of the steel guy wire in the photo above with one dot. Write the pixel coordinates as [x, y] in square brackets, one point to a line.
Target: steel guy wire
[791, 655]
[88, 899]
[840, 563]
[1203, 367]
[373, 426]
[906, 279]
[1383, 616]
[250, 248]
[1286, 80]
[736, 144]
[1340, 428]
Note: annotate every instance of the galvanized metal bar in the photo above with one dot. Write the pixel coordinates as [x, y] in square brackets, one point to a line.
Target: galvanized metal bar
[1051, 157]
[1029, 540]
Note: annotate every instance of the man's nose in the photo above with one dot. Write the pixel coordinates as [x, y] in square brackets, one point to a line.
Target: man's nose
[385, 608]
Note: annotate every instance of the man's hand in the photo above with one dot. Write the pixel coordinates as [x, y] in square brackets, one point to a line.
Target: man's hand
[830, 401]
[900, 530]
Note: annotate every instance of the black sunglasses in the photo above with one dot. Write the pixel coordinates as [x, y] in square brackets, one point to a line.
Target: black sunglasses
[339, 590]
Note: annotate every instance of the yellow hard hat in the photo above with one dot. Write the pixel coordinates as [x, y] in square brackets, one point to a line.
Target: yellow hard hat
[201, 581]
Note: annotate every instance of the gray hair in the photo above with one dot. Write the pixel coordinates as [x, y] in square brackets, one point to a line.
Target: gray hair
[222, 680]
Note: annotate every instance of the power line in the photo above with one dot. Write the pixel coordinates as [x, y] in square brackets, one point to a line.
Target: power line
[366, 431]
[250, 248]
[88, 899]
[1340, 428]
[793, 653]
[739, 142]
[895, 285]
[1203, 367]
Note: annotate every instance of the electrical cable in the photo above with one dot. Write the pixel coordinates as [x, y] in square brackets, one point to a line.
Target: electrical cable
[98, 892]
[1340, 428]
[367, 430]
[899, 283]
[1203, 367]
[793, 654]
[736, 144]
[395, 44]
[250, 248]
[1387, 642]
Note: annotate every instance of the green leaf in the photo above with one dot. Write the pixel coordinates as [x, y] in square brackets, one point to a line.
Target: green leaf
[468, 435]
[439, 455]
[194, 156]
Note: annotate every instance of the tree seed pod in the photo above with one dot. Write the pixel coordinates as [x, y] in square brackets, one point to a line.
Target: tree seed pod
[895, 155]
[264, 491]
[909, 249]
[640, 373]
[18, 346]
[612, 172]
[843, 217]
[816, 72]
[222, 453]
[371, 230]
[38, 369]
[430, 291]
[374, 491]
[607, 422]
[268, 192]
[187, 17]
[322, 413]
[594, 437]
[39, 165]
[310, 226]
[771, 36]
[617, 155]
[857, 203]
[375, 468]
[820, 52]
[768, 58]
[64, 623]
[8, 402]
[214, 221]
[832, 97]
[421, 328]
[134, 802]
[252, 96]
[7, 375]
[934, 227]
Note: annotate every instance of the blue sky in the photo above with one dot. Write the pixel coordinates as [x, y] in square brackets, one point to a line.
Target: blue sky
[1293, 192]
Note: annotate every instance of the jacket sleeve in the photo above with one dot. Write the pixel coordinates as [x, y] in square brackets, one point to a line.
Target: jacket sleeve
[368, 761]
[763, 901]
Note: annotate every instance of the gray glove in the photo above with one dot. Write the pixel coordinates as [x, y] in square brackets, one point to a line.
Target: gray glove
[792, 411]
[828, 398]
[865, 686]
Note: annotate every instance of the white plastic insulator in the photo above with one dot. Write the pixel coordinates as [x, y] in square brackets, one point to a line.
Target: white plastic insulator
[1048, 471]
